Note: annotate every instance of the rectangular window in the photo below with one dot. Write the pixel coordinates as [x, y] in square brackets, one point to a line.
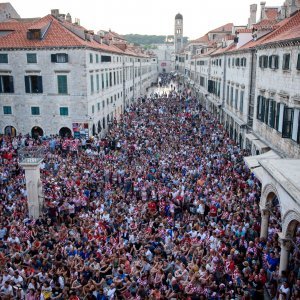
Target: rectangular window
[266, 114]
[236, 99]
[102, 81]
[103, 103]
[62, 84]
[3, 58]
[31, 58]
[263, 61]
[106, 75]
[92, 83]
[91, 58]
[286, 61]
[7, 110]
[287, 125]
[298, 62]
[105, 58]
[98, 106]
[281, 112]
[35, 110]
[201, 80]
[231, 97]
[229, 62]
[242, 101]
[59, 58]
[97, 82]
[34, 84]
[93, 109]
[272, 113]
[97, 58]
[110, 79]
[227, 97]
[64, 111]
[274, 62]
[6, 84]
[296, 128]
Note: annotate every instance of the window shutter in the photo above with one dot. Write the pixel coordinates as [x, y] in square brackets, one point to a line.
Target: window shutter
[259, 62]
[27, 84]
[258, 108]
[272, 111]
[277, 116]
[66, 57]
[11, 84]
[287, 122]
[267, 103]
[263, 104]
[270, 61]
[53, 57]
[298, 62]
[40, 84]
[276, 61]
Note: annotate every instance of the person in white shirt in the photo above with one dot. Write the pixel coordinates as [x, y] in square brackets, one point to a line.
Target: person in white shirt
[6, 291]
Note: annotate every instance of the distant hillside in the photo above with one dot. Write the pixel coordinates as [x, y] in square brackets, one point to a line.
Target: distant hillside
[139, 39]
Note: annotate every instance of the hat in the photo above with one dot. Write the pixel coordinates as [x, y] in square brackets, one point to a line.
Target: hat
[245, 263]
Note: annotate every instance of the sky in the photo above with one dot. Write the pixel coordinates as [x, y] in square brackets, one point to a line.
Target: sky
[146, 17]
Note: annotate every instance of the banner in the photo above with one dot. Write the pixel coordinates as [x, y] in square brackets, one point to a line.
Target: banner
[81, 130]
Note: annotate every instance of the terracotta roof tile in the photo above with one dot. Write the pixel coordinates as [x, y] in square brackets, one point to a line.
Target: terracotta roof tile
[226, 27]
[271, 13]
[57, 35]
[244, 30]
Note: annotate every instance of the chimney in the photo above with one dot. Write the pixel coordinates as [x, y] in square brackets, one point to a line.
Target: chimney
[68, 18]
[62, 17]
[253, 11]
[77, 21]
[55, 12]
[262, 13]
[282, 14]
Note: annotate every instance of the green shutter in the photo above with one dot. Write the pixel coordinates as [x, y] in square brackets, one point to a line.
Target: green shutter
[62, 83]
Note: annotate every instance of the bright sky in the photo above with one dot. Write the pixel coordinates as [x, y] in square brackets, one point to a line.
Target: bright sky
[146, 17]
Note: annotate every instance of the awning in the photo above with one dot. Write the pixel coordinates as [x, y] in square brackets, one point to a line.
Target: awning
[234, 117]
[259, 172]
[250, 136]
[259, 145]
[253, 161]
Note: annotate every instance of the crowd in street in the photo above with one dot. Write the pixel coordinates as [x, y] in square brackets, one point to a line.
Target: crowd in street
[162, 208]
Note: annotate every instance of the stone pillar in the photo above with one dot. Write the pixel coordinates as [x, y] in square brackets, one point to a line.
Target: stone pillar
[33, 187]
[265, 214]
[284, 254]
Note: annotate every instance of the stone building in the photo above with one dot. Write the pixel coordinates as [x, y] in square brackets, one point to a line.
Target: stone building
[7, 12]
[58, 77]
[250, 80]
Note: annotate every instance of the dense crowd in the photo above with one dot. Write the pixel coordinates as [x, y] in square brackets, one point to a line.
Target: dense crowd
[163, 208]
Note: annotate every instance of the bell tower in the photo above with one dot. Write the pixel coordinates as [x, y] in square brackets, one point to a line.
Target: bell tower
[178, 34]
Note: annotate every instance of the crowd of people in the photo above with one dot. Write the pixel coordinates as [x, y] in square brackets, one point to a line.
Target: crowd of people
[162, 208]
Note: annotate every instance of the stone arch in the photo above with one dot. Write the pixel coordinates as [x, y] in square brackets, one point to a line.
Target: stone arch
[267, 195]
[289, 223]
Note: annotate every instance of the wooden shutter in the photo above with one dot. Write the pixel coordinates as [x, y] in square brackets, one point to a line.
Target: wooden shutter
[66, 57]
[276, 61]
[287, 122]
[272, 112]
[27, 84]
[267, 103]
[298, 62]
[40, 84]
[263, 101]
[270, 61]
[258, 107]
[53, 57]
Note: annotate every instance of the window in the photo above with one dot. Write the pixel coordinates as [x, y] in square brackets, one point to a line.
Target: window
[263, 61]
[287, 125]
[7, 110]
[62, 84]
[227, 97]
[103, 103]
[243, 62]
[34, 34]
[98, 106]
[33, 84]
[102, 81]
[261, 104]
[92, 83]
[298, 62]
[236, 99]
[91, 58]
[97, 82]
[110, 79]
[3, 58]
[105, 58]
[35, 110]
[97, 58]
[64, 111]
[237, 62]
[286, 61]
[6, 84]
[31, 58]
[201, 80]
[59, 58]
[272, 114]
[241, 101]
[93, 109]
[273, 62]
[229, 62]
[231, 98]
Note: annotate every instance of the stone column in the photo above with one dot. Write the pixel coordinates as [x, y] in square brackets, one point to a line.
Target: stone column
[265, 214]
[284, 254]
[33, 187]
